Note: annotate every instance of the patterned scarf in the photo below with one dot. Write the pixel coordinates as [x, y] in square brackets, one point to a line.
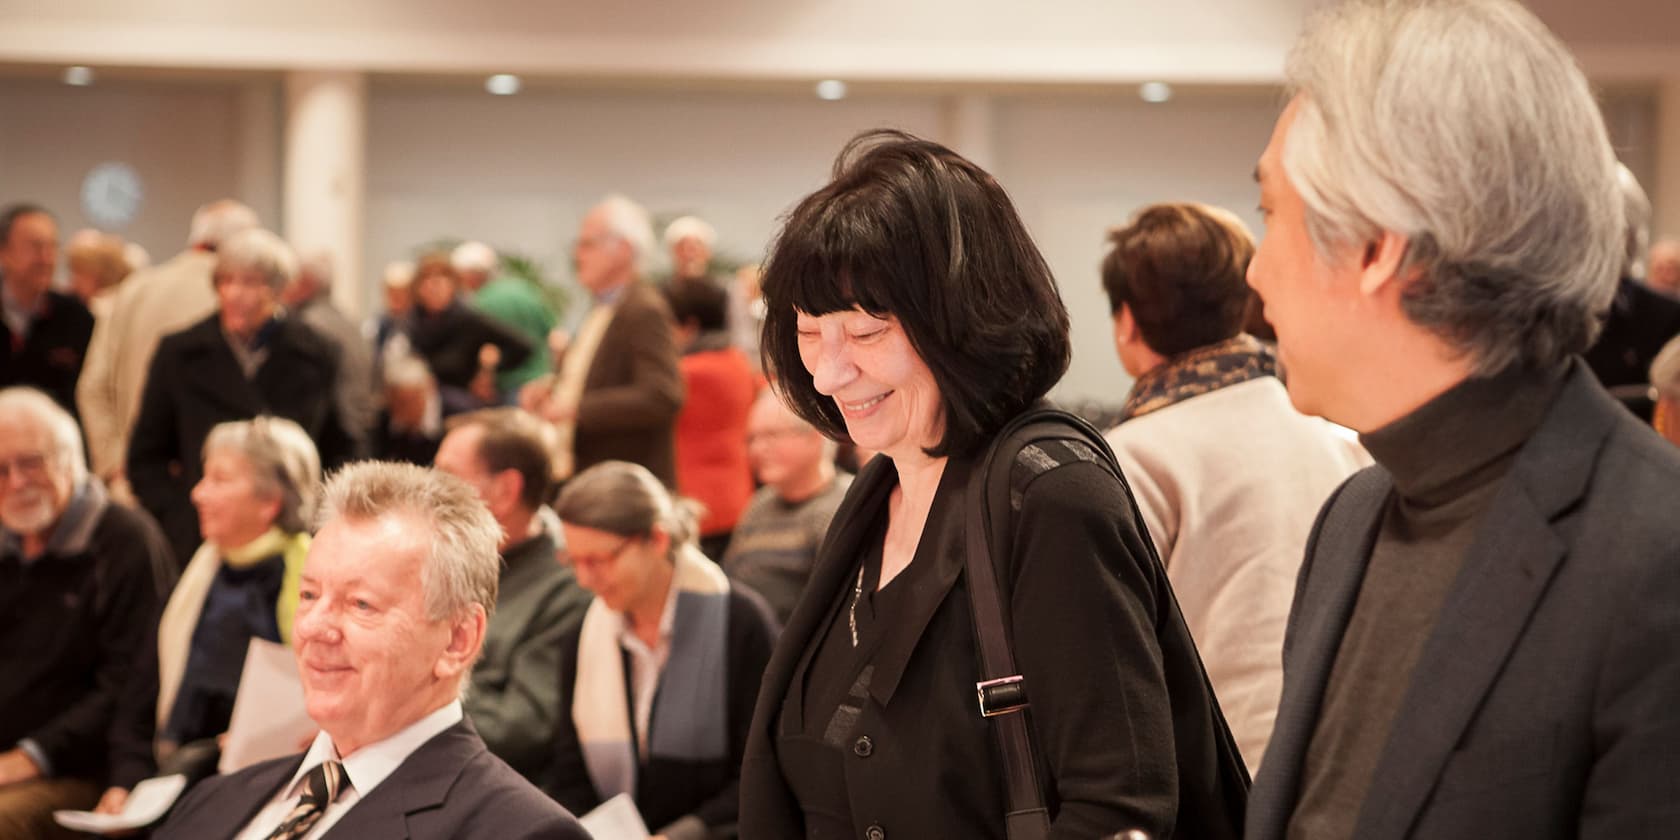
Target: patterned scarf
[1200, 371]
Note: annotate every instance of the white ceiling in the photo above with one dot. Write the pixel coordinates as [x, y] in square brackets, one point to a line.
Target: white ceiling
[974, 41]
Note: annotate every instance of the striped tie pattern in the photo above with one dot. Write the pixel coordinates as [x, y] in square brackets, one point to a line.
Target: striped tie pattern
[321, 788]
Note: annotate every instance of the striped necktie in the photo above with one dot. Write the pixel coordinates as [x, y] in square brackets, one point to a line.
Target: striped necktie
[321, 788]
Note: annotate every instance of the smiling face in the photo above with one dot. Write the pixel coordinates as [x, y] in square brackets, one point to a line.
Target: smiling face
[36, 487]
[1313, 301]
[371, 659]
[233, 508]
[885, 392]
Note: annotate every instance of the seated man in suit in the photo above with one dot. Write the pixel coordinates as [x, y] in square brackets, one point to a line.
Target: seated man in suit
[393, 603]
[1482, 642]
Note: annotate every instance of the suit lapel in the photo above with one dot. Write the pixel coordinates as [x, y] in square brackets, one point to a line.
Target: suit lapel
[1334, 570]
[243, 801]
[1511, 562]
[420, 783]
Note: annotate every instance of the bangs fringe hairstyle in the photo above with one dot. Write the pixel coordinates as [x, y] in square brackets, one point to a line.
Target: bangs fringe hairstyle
[911, 230]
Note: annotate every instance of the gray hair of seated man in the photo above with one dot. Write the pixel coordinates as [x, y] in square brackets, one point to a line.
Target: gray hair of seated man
[463, 564]
[1466, 126]
[284, 463]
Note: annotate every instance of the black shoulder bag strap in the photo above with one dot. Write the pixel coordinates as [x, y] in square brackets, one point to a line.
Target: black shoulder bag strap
[1001, 690]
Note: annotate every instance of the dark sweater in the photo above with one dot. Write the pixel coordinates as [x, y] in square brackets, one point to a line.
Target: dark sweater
[1447, 459]
[71, 624]
[49, 356]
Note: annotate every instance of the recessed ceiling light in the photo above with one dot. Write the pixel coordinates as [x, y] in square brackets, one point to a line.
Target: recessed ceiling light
[1155, 92]
[831, 89]
[502, 84]
[78, 75]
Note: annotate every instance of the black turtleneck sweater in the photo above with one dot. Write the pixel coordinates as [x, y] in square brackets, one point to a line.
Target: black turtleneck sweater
[1447, 459]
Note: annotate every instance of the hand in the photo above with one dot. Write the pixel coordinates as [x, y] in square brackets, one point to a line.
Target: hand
[112, 802]
[16, 766]
[483, 386]
[534, 393]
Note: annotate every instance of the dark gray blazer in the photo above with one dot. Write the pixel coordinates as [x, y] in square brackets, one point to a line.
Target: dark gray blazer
[452, 787]
[1544, 702]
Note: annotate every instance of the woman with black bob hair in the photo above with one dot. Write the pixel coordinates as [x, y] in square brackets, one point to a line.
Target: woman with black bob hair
[910, 313]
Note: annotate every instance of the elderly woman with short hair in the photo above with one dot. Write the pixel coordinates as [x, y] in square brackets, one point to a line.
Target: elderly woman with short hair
[254, 502]
[244, 360]
[657, 684]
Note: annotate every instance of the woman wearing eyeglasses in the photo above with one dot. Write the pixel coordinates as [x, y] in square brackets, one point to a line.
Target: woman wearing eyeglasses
[657, 684]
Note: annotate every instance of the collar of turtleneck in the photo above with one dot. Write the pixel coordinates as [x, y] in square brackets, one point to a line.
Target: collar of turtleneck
[1467, 435]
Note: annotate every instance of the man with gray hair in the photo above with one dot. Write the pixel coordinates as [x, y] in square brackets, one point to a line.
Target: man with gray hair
[150, 304]
[81, 582]
[618, 390]
[244, 360]
[393, 603]
[1482, 642]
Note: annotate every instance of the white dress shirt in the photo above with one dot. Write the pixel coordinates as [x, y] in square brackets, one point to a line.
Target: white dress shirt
[363, 771]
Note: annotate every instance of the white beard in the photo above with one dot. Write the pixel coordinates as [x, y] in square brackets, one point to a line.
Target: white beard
[28, 512]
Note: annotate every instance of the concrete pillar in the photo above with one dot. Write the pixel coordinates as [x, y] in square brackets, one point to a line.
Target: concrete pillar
[1665, 193]
[970, 129]
[324, 193]
[258, 184]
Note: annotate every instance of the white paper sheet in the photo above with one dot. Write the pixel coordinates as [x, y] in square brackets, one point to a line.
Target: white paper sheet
[615, 819]
[268, 720]
[146, 804]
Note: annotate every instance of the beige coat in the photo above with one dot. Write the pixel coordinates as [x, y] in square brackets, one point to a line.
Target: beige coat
[1230, 483]
[152, 303]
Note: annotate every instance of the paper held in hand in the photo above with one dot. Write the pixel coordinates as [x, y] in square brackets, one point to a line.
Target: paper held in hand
[146, 804]
[615, 819]
[269, 719]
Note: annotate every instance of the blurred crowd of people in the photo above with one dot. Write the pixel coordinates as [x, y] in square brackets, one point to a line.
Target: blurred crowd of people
[1281, 561]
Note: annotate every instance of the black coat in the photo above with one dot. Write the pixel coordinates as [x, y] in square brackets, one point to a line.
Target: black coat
[1543, 703]
[51, 356]
[1121, 715]
[451, 788]
[195, 382]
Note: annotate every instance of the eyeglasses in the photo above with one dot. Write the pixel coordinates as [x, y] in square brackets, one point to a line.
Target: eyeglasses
[32, 464]
[598, 561]
[773, 435]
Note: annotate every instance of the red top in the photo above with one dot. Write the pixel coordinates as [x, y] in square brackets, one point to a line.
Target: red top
[712, 435]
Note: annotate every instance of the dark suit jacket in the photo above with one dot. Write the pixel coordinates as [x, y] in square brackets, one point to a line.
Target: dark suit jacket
[628, 411]
[195, 382]
[50, 357]
[1543, 705]
[1121, 712]
[451, 788]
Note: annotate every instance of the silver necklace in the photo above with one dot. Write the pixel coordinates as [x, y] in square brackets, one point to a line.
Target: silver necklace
[851, 616]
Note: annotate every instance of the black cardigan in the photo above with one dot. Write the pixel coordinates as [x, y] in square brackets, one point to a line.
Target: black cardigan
[666, 789]
[1121, 714]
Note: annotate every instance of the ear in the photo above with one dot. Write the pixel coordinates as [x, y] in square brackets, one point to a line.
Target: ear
[1379, 264]
[659, 541]
[466, 638]
[507, 486]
